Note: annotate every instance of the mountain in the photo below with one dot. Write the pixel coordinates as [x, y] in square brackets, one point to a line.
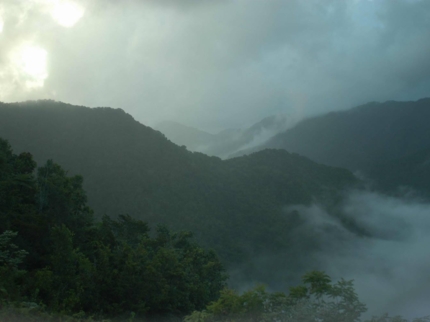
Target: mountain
[227, 141]
[236, 207]
[194, 139]
[410, 171]
[387, 142]
[359, 138]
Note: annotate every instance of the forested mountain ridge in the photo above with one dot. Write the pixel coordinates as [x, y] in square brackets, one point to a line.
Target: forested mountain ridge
[234, 206]
[359, 138]
[385, 142]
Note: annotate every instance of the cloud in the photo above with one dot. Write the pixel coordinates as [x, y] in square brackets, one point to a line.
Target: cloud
[27, 27]
[391, 268]
[220, 64]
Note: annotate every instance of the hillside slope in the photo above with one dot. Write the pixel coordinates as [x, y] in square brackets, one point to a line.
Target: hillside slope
[361, 137]
[234, 206]
[194, 139]
[411, 171]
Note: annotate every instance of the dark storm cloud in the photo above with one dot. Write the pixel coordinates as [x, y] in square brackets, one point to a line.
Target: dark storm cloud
[228, 63]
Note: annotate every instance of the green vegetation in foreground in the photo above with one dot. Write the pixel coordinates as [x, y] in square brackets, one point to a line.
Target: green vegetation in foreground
[236, 206]
[316, 300]
[54, 256]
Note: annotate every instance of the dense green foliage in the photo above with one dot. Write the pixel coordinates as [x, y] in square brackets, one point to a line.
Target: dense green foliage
[54, 254]
[317, 299]
[236, 207]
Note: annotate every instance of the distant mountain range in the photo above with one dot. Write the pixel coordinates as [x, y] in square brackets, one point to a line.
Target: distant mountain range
[227, 141]
[236, 207]
[388, 141]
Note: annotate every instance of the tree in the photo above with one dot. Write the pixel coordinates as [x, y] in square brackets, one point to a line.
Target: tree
[317, 299]
[10, 259]
[63, 198]
[166, 274]
[68, 276]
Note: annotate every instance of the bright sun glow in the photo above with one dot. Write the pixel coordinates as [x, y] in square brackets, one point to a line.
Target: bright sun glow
[30, 64]
[66, 13]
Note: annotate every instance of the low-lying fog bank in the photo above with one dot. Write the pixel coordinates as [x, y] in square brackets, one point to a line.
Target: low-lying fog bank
[389, 269]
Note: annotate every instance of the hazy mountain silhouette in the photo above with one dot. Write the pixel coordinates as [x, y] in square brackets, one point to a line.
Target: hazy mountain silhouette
[360, 137]
[194, 139]
[228, 141]
[385, 141]
[412, 171]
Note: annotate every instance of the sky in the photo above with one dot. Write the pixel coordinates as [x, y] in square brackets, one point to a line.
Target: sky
[215, 64]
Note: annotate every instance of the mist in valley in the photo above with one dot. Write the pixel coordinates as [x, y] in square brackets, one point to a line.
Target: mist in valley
[388, 258]
[390, 269]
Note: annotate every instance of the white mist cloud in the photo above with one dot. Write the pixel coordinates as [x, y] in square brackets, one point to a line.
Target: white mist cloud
[391, 269]
[28, 66]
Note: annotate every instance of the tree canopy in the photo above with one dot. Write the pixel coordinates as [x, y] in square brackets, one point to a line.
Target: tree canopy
[53, 252]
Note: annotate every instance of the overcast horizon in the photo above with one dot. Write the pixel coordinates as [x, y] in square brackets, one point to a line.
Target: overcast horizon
[215, 64]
